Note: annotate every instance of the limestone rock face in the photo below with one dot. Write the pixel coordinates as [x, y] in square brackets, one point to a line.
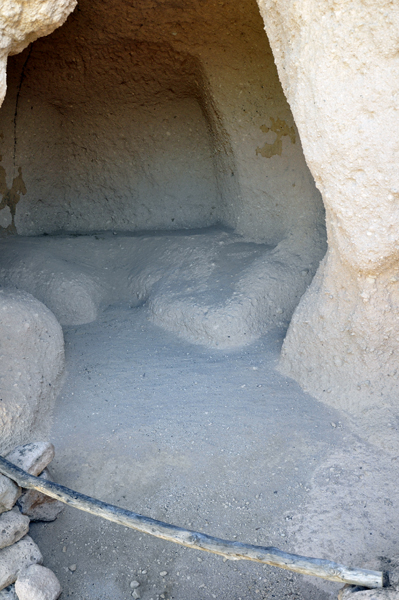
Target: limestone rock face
[8, 593]
[15, 559]
[23, 22]
[32, 458]
[337, 62]
[32, 359]
[13, 526]
[37, 583]
[180, 123]
[9, 493]
[26, 380]
[38, 506]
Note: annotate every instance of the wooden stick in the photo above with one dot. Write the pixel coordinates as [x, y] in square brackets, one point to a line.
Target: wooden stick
[192, 539]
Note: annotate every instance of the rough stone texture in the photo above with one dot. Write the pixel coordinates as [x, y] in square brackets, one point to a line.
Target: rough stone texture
[37, 583]
[8, 593]
[33, 457]
[16, 558]
[23, 22]
[25, 384]
[163, 119]
[351, 592]
[9, 493]
[189, 128]
[32, 360]
[214, 288]
[13, 526]
[343, 340]
[38, 506]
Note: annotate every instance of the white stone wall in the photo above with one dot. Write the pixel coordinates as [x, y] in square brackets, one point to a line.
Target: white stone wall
[31, 340]
[338, 64]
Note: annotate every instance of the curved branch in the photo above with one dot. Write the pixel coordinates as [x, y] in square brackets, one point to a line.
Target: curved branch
[192, 539]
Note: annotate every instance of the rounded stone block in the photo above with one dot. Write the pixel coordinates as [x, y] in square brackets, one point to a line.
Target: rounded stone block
[37, 583]
[32, 358]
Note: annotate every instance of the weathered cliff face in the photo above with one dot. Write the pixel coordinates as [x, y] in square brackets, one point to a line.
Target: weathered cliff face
[155, 116]
[31, 341]
[338, 63]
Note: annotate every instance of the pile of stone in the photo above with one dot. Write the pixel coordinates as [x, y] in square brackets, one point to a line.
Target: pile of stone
[22, 575]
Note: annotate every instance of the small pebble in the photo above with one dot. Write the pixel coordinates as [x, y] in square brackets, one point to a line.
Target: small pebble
[72, 568]
[64, 549]
[134, 584]
[144, 571]
[136, 595]
[163, 573]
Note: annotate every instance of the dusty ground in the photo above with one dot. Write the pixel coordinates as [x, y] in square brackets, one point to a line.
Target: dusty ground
[211, 440]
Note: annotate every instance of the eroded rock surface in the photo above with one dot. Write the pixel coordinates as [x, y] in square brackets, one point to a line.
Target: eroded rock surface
[37, 583]
[32, 359]
[8, 593]
[337, 62]
[16, 558]
[9, 493]
[26, 326]
[13, 526]
[212, 288]
[33, 457]
[38, 506]
[24, 22]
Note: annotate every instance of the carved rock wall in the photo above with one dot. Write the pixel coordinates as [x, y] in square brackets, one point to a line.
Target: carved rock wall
[23, 22]
[338, 64]
[31, 340]
[153, 116]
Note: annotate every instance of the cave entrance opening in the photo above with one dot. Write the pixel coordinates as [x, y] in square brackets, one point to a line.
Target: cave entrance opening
[158, 120]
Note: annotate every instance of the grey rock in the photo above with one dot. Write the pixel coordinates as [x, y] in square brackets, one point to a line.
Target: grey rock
[72, 568]
[136, 595]
[13, 527]
[9, 493]
[8, 593]
[134, 584]
[37, 583]
[32, 458]
[38, 506]
[16, 558]
[347, 591]
[352, 592]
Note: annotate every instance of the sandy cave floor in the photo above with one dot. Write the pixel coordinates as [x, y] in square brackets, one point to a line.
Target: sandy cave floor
[215, 441]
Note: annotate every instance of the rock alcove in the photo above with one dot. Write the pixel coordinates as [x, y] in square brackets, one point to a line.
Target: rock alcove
[148, 154]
